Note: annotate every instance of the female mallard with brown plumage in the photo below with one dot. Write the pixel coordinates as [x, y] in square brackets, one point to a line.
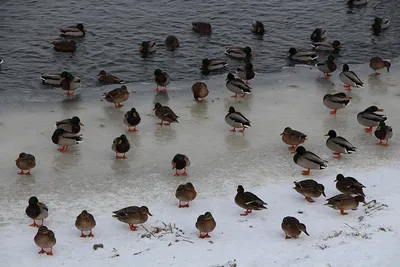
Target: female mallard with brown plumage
[308, 160]
[185, 193]
[201, 27]
[248, 201]
[171, 42]
[116, 96]
[309, 189]
[36, 211]
[45, 238]
[180, 162]
[108, 78]
[344, 202]
[132, 215]
[199, 90]
[25, 162]
[293, 138]
[318, 35]
[383, 132]
[292, 227]
[120, 145]
[205, 224]
[165, 113]
[376, 63]
[349, 185]
[64, 46]
[85, 222]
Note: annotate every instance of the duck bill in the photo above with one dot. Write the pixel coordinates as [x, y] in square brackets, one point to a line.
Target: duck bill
[282, 133]
[173, 166]
[201, 65]
[326, 134]
[154, 77]
[62, 79]
[81, 124]
[148, 213]
[141, 49]
[380, 109]
[388, 69]
[84, 29]
[323, 193]
[348, 97]
[306, 233]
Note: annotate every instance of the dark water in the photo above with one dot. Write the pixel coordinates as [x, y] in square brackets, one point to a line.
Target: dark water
[116, 29]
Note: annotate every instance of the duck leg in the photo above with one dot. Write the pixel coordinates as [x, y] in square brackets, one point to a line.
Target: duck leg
[327, 75]
[287, 237]
[337, 155]
[307, 172]
[34, 224]
[380, 143]
[156, 90]
[41, 224]
[347, 87]
[160, 123]
[21, 172]
[50, 253]
[183, 205]
[333, 112]
[233, 130]
[133, 130]
[243, 95]
[167, 123]
[90, 234]
[29, 172]
[118, 105]
[342, 212]
[42, 251]
[377, 73]
[61, 149]
[83, 235]
[234, 96]
[247, 212]
[117, 156]
[309, 199]
[184, 172]
[293, 147]
[124, 157]
[176, 173]
[132, 227]
[368, 130]
[164, 90]
[386, 144]
[242, 130]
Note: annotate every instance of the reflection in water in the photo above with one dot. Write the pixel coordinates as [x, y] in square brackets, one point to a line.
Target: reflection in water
[376, 85]
[324, 85]
[339, 123]
[62, 162]
[165, 133]
[199, 110]
[161, 98]
[115, 115]
[241, 104]
[236, 141]
[121, 166]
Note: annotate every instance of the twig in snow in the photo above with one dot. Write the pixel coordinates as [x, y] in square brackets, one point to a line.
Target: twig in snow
[351, 227]
[148, 231]
[140, 252]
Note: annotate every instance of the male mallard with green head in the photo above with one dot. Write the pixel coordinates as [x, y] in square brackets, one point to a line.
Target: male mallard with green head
[65, 139]
[205, 224]
[237, 120]
[55, 80]
[185, 193]
[132, 119]
[333, 47]
[237, 86]
[108, 78]
[72, 125]
[165, 113]
[349, 185]
[147, 47]
[293, 138]
[209, 65]
[327, 67]
[336, 101]
[308, 160]
[85, 222]
[344, 202]
[180, 162]
[257, 27]
[369, 118]
[68, 83]
[162, 79]
[36, 211]
[199, 90]
[349, 78]
[246, 73]
[132, 215]
[301, 56]
[73, 31]
[292, 227]
[379, 24]
[377, 63]
[45, 238]
[25, 162]
[120, 145]
[339, 145]
[309, 189]
[239, 52]
[383, 132]
[248, 201]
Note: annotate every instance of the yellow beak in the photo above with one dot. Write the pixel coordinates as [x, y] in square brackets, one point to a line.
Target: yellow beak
[81, 124]
[154, 77]
[201, 65]
[326, 134]
[120, 142]
[85, 29]
[62, 78]
[173, 165]
[141, 49]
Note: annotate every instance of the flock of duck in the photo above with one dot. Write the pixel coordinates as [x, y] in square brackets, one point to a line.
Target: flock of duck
[67, 132]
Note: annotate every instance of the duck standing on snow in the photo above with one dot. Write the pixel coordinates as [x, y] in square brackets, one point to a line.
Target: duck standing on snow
[237, 120]
[257, 27]
[55, 80]
[292, 227]
[132, 215]
[68, 83]
[201, 27]
[147, 47]
[85, 222]
[162, 79]
[309, 189]
[327, 46]
[327, 67]
[246, 73]
[72, 125]
[318, 35]
[349, 185]
[65, 139]
[308, 160]
[209, 65]
[344, 202]
[108, 78]
[73, 31]
[339, 145]
[132, 119]
[120, 145]
[180, 162]
[64, 46]
[165, 113]
[336, 101]
[239, 52]
[25, 162]
[349, 78]
[293, 138]
[185, 193]
[248, 201]
[116, 96]
[380, 24]
[199, 90]
[303, 57]
[205, 224]
[370, 119]
[383, 132]
[376, 63]
[36, 211]
[45, 238]
[237, 86]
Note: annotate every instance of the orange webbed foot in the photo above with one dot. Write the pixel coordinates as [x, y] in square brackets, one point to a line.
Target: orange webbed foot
[287, 237]
[50, 253]
[90, 234]
[21, 172]
[163, 91]
[292, 148]
[82, 235]
[132, 227]
[310, 199]
[333, 112]
[42, 251]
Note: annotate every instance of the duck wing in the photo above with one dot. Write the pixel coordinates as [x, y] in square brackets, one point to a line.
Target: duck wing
[338, 140]
[238, 117]
[314, 158]
[298, 134]
[336, 98]
[252, 199]
[374, 117]
[240, 84]
[353, 77]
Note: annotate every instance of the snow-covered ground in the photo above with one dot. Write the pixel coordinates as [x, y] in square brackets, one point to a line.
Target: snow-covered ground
[89, 177]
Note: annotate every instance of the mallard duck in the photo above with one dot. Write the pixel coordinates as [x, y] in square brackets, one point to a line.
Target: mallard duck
[72, 125]
[45, 238]
[208, 65]
[132, 119]
[327, 46]
[55, 80]
[339, 145]
[65, 139]
[108, 78]
[171, 42]
[349, 185]
[68, 83]
[237, 86]
[164, 113]
[132, 215]
[369, 118]
[25, 162]
[349, 78]
[120, 145]
[237, 120]
[199, 90]
[205, 224]
[201, 27]
[352, 3]
[318, 35]
[336, 101]
[327, 67]
[293, 138]
[308, 160]
[301, 56]
[376, 63]
[257, 27]
[185, 193]
[117, 96]
[162, 79]
[379, 24]
[246, 73]
[64, 46]
[383, 132]
[85, 222]
[147, 47]
[239, 52]
[180, 162]
[344, 202]
[248, 201]
[292, 227]
[73, 31]
[36, 211]
[309, 188]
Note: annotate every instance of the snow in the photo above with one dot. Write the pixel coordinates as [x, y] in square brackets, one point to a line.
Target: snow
[89, 177]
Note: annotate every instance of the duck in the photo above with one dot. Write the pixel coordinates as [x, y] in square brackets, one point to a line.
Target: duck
[318, 35]
[132, 119]
[65, 139]
[55, 80]
[327, 67]
[73, 31]
[292, 227]
[299, 56]
[246, 73]
[171, 42]
[199, 90]
[66, 46]
[379, 24]
[185, 193]
[344, 202]
[383, 132]
[116, 96]
[239, 52]
[68, 83]
[308, 160]
[201, 27]
[236, 120]
[309, 189]
[147, 47]
[132, 215]
[377, 63]
[248, 201]
[45, 238]
[370, 119]
[352, 3]
[162, 79]
[71, 125]
[165, 113]
[336, 101]
[237, 86]
[108, 78]
[36, 211]
[349, 185]
[180, 162]
[25, 162]
[205, 224]
[85, 222]
[339, 145]
[293, 137]
[120, 145]
[209, 65]
[1, 61]
[349, 78]
[333, 47]
[257, 27]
